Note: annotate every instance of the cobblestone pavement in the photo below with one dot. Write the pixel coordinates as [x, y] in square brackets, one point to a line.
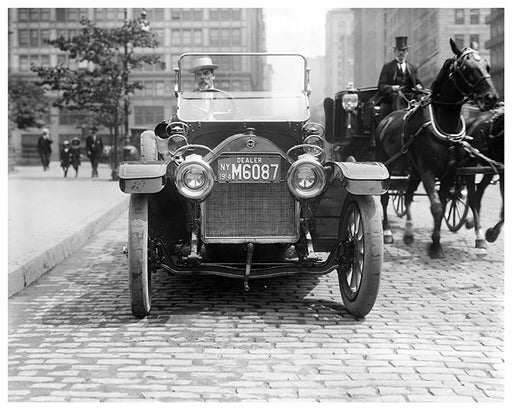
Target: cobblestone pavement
[436, 332]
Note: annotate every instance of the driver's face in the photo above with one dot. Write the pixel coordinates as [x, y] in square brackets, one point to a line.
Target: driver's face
[400, 54]
[204, 79]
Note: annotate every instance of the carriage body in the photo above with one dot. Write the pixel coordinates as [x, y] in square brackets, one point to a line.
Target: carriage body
[351, 120]
[244, 190]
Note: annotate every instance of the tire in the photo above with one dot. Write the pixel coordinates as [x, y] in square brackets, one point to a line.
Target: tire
[139, 275]
[457, 206]
[360, 254]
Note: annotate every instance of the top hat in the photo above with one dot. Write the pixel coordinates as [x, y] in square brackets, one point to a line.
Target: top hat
[401, 43]
[201, 63]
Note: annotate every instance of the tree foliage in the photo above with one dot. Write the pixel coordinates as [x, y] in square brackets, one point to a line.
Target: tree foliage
[28, 105]
[104, 58]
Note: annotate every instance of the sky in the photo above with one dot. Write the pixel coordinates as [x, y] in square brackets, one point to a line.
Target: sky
[295, 30]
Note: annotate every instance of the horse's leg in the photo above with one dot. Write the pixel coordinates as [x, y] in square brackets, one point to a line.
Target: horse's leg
[388, 235]
[412, 186]
[480, 243]
[437, 209]
[492, 233]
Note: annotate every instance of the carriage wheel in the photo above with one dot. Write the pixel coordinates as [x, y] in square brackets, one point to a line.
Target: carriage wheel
[399, 204]
[139, 275]
[457, 206]
[360, 254]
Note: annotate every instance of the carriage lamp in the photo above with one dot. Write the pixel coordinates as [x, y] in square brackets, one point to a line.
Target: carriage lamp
[194, 178]
[314, 140]
[350, 101]
[175, 142]
[306, 177]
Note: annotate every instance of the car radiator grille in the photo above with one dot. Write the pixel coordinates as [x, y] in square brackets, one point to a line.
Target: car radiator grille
[250, 211]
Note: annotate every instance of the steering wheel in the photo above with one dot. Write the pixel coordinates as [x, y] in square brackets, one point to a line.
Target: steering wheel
[232, 109]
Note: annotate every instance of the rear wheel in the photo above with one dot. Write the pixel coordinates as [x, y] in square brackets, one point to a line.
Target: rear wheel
[399, 204]
[360, 254]
[139, 276]
[457, 206]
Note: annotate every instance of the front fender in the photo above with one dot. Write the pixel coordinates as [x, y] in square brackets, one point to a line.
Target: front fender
[361, 178]
[142, 177]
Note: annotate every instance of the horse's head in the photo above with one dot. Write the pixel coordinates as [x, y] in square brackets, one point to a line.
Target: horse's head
[465, 76]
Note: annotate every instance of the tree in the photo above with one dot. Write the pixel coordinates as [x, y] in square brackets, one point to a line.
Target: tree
[28, 105]
[104, 58]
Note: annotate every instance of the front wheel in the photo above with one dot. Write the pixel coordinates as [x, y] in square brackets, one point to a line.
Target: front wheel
[360, 254]
[139, 276]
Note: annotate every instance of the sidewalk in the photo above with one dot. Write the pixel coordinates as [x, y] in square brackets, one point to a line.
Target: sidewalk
[50, 217]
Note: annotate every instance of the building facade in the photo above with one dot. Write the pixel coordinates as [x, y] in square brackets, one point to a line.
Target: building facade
[428, 31]
[496, 46]
[339, 50]
[178, 30]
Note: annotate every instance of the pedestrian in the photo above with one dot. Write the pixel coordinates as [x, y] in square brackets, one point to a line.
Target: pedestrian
[398, 81]
[94, 147]
[76, 155]
[44, 148]
[65, 157]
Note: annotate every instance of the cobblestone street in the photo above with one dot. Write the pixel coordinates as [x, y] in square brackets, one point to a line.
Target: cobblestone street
[436, 332]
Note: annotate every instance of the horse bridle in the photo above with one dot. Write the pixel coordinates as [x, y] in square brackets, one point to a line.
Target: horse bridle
[465, 87]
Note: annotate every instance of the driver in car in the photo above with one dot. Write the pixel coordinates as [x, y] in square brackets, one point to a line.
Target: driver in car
[212, 103]
[204, 74]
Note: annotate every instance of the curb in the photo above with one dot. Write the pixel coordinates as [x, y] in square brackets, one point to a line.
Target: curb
[24, 275]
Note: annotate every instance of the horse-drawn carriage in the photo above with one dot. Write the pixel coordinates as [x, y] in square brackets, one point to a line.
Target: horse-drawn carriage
[426, 142]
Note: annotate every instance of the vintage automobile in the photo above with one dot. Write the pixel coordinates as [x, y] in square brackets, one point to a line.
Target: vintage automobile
[237, 184]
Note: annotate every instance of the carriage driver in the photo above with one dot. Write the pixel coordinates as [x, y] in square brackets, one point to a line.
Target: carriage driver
[398, 79]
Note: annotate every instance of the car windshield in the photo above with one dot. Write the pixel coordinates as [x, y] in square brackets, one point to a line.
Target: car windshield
[242, 87]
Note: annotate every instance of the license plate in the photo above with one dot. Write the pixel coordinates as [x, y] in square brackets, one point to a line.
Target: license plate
[249, 168]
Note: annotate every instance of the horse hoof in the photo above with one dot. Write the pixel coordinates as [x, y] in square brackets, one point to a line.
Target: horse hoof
[481, 252]
[408, 239]
[491, 235]
[388, 239]
[480, 244]
[470, 223]
[435, 252]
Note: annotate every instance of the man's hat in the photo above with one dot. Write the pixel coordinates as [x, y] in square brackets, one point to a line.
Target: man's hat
[201, 63]
[66, 142]
[93, 128]
[401, 43]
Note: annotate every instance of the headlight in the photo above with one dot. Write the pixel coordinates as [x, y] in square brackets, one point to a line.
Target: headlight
[175, 142]
[194, 178]
[306, 177]
[350, 102]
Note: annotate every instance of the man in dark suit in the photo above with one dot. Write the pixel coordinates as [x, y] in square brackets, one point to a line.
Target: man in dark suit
[398, 79]
[94, 148]
[44, 147]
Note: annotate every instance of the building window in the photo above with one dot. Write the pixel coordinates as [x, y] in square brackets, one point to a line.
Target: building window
[474, 16]
[69, 117]
[175, 37]
[459, 16]
[214, 37]
[198, 37]
[24, 63]
[186, 37]
[474, 41]
[145, 115]
[459, 40]
[23, 38]
[23, 14]
[152, 14]
[236, 36]
[34, 38]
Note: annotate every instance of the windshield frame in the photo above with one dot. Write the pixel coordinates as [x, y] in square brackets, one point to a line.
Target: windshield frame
[180, 93]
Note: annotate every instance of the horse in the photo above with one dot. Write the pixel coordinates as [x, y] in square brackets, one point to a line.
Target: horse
[425, 141]
[486, 149]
